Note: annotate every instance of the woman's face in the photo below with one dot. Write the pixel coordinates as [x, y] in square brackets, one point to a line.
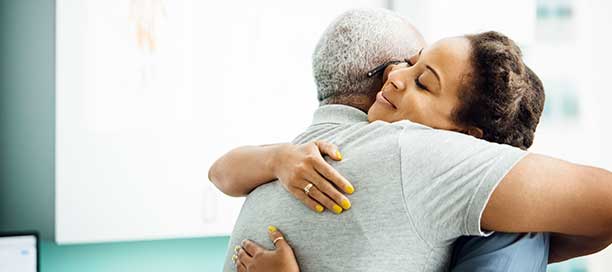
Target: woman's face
[425, 90]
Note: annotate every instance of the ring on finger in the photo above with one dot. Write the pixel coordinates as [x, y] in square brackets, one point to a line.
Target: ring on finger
[307, 188]
[276, 240]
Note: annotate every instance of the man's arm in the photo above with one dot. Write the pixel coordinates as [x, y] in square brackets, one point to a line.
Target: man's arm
[543, 194]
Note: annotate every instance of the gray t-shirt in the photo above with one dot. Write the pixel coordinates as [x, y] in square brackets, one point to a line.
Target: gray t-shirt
[417, 190]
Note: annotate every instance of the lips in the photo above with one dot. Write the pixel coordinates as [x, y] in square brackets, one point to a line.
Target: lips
[382, 99]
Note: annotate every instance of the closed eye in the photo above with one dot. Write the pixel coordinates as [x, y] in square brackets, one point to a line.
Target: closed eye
[419, 85]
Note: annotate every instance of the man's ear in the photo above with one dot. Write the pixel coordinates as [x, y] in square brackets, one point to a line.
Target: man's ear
[474, 131]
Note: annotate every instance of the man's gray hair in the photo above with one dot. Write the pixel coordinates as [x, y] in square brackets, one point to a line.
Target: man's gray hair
[356, 42]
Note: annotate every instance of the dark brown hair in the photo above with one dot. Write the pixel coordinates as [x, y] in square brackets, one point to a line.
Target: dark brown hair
[501, 95]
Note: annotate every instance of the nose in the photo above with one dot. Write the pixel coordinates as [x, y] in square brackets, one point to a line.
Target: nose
[395, 79]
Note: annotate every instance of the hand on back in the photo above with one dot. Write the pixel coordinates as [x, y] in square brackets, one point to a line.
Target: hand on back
[298, 166]
[251, 257]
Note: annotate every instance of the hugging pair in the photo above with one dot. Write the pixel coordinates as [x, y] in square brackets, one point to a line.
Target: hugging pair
[437, 171]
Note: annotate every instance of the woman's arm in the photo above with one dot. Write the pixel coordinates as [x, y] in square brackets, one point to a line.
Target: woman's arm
[543, 194]
[242, 169]
[296, 166]
[565, 247]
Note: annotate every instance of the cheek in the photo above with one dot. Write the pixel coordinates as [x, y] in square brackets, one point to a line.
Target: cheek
[423, 109]
[412, 108]
[434, 114]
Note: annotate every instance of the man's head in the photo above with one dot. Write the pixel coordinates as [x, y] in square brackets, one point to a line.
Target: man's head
[354, 43]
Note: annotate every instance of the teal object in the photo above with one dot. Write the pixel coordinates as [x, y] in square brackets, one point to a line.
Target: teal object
[27, 116]
[181, 255]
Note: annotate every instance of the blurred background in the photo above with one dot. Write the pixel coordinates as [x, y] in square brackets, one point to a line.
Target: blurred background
[111, 112]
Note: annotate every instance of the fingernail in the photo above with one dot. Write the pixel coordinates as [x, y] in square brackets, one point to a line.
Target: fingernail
[337, 209]
[319, 208]
[271, 229]
[345, 204]
[237, 248]
[234, 258]
[338, 154]
[349, 189]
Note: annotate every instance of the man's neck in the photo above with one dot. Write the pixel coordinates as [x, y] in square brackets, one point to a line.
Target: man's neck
[362, 102]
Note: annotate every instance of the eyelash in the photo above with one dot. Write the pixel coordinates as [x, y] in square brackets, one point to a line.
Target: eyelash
[419, 85]
[416, 80]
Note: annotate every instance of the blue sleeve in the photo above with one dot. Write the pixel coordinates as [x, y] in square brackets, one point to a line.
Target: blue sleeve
[501, 252]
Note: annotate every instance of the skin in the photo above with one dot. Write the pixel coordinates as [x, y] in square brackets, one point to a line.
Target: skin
[528, 199]
[418, 102]
[251, 257]
[308, 166]
[426, 90]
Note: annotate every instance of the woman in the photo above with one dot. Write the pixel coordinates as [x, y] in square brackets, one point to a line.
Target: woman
[473, 84]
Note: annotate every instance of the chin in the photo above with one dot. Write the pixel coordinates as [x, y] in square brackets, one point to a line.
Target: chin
[371, 118]
[378, 113]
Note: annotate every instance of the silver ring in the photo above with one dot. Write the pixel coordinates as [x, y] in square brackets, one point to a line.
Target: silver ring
[276, 240]
[307, 188]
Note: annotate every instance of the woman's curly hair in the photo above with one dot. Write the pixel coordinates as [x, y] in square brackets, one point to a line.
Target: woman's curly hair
[501, 95]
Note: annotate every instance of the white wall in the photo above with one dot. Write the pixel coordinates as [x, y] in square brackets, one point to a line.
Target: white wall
[139, 125]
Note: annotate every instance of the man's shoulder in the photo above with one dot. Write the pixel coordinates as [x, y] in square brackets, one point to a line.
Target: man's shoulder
[356, 131]
[408, 133]
[421, 134]
[368, 127]
[411, 133]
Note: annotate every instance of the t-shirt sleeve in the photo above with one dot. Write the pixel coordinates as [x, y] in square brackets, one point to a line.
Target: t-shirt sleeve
[448, 178]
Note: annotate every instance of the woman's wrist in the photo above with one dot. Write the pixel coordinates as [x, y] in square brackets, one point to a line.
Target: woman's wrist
[278, 155]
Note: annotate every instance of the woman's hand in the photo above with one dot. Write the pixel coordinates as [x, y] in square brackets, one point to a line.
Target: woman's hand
[251, 257]
[297, 166]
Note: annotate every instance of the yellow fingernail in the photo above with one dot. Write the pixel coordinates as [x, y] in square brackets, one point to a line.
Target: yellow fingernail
[237, 248]
[337, 209]
[271, 228]
[319, 208]
[338, 154]
[345, 204]
[349, 189]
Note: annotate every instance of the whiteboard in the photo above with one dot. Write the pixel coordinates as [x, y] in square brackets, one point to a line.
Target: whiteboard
[150, 92]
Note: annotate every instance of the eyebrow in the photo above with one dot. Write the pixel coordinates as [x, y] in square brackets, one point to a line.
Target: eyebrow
[432, 69]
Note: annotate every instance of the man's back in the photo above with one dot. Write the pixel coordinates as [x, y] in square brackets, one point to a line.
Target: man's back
[384, 230]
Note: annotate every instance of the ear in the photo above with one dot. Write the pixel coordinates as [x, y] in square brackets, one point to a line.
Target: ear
[474, 131]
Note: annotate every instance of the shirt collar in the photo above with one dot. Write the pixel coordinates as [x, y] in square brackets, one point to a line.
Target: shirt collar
[338, 114]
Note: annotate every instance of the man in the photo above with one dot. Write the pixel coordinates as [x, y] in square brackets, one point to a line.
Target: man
[339, 70]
